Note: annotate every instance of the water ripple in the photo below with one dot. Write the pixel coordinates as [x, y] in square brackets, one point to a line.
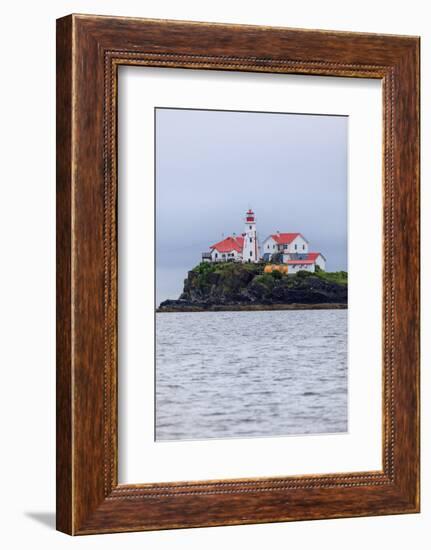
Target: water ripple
[250, 374]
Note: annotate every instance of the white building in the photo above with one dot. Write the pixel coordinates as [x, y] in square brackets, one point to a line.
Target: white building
[229, 249]
[250, 250]
[286, 243]
[291, 249]
[307, 263]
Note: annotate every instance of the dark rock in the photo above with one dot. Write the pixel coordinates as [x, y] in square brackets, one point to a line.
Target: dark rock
[244, 285]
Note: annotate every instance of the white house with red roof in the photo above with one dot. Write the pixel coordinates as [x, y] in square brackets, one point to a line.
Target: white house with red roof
[229, 249]
[293, 243]
[294, 249]
[291, 249]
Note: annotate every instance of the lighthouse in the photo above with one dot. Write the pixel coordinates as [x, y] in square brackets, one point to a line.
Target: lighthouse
[250, 248]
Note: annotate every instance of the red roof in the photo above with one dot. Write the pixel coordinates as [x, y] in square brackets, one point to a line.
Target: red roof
[314, 255]
[229, 244]
[300, 262]
[311, 259]
[285, 238]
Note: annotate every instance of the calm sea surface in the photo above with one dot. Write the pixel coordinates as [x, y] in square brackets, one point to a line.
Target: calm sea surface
[250, 374]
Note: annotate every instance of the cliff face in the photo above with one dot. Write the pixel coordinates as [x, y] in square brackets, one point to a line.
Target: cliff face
[237, 286]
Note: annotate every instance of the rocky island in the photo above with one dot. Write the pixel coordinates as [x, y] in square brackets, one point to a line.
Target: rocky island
[232, 286]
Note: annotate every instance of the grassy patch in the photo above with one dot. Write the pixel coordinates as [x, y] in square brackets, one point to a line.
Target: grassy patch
[339, 277]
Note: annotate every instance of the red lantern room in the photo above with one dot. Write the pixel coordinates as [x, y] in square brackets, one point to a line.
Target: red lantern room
[249, 216]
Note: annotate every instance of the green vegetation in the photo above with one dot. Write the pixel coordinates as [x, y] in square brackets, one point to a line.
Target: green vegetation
[339, 277]
[226, 273]
[229, 266]
[303, 274]
[266, 279]
[223, 268]
[276, 274]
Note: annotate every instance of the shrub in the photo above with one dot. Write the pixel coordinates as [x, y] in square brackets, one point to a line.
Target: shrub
[276, 274]
[265, 279]
[203, 268]
[304, 274]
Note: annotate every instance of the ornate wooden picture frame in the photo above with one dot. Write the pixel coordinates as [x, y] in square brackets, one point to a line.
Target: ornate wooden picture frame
[89, 51]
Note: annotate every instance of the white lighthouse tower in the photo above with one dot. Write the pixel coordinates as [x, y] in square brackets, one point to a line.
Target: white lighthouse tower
[250, 249]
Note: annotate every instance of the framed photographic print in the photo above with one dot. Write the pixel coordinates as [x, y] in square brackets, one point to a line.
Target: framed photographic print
[237, 274]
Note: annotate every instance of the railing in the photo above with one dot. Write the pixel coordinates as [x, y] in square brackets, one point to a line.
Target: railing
[206, 257]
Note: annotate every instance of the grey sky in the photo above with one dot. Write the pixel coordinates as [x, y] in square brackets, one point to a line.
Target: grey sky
[213, 165]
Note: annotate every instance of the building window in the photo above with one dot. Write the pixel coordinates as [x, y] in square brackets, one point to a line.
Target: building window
[216, 255]
[251, 253]
[285, 246]
[250, 227]
[296, 247]
[251, 240]
[303, 247]
[273, 246]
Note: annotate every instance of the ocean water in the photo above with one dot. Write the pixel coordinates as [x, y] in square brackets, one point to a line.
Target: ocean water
[250, 374]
